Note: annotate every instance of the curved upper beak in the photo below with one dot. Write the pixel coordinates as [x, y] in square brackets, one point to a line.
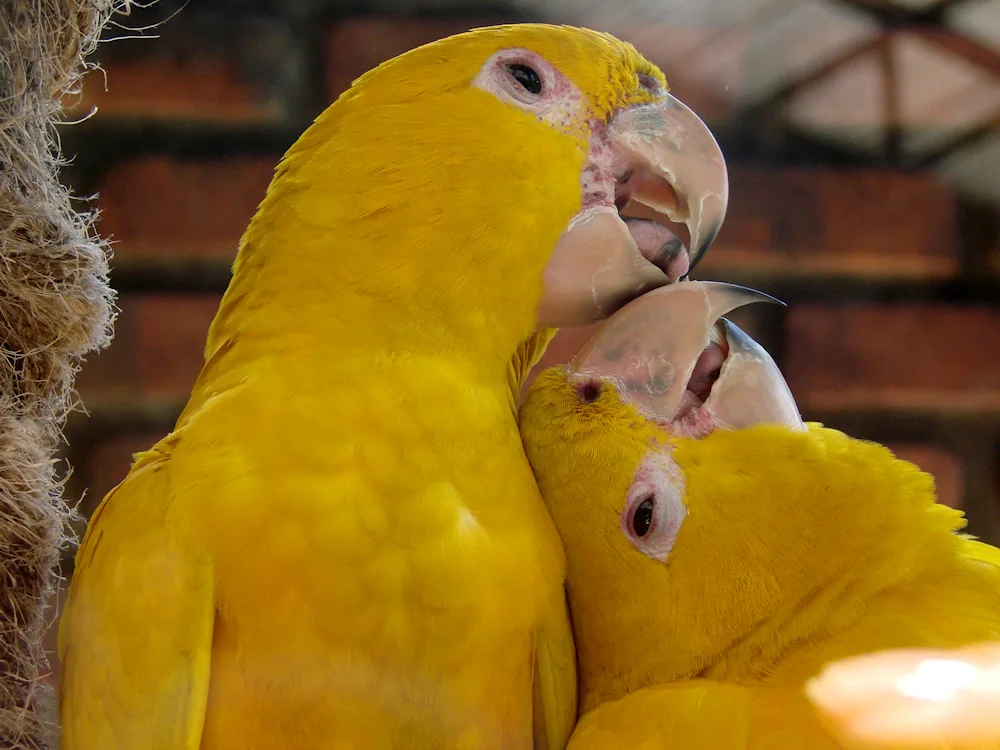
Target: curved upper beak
[660, 155]
[671, 353]
[679, 168]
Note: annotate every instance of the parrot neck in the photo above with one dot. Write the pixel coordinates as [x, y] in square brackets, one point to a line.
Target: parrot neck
[801, 629]
[892, 537]
[259, 322]
[367, 248]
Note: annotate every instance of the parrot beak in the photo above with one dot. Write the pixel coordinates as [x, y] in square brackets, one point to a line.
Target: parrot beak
[659, 155]
[672, 355]
[677, 168]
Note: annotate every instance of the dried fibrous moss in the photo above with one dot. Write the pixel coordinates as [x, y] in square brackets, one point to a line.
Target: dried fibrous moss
[55, 306]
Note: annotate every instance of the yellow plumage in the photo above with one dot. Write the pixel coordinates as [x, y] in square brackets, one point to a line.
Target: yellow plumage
[797, 548]
[341, 544]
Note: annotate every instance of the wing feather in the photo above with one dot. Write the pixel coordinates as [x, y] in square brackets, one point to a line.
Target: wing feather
[135, 639]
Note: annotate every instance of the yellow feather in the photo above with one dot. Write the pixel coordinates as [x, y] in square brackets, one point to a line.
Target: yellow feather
[681, 716]
[136, 646]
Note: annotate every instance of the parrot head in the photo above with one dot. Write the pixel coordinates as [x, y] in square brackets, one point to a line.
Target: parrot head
[484, 180]
[707, 528]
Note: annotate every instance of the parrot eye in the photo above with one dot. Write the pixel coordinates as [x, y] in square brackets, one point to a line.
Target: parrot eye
[642, 519]
[527, 77]
[523, 79]
[654, 512]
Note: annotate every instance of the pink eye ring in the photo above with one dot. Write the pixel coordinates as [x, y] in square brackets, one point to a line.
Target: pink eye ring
[654, 509]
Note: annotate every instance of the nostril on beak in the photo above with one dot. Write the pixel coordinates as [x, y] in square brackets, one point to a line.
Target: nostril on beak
[589, 390]
[649, 83]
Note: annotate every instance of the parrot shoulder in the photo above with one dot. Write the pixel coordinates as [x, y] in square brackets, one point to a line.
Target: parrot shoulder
[681, 715]
[703, 713]
[135, 638]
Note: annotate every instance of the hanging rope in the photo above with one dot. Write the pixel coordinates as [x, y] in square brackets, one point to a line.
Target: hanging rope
[55, 306]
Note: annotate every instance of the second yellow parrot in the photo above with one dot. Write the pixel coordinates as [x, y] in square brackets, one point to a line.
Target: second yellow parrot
[720, 552]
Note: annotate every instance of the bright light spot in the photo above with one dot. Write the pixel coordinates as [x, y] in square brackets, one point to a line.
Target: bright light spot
[467, 520]
[937, 679]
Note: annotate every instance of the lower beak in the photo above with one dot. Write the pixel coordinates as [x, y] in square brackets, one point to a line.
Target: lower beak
[659, 155]
[672, 355]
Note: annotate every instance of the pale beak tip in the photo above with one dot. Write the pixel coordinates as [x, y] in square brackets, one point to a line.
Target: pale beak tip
[735, 295]
[701, 244]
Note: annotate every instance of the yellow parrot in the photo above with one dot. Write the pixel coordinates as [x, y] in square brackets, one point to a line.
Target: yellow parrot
[341, 543]
[720, 551]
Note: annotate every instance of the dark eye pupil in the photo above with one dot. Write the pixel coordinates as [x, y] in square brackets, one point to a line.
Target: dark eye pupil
[527, 77]
[643, 517]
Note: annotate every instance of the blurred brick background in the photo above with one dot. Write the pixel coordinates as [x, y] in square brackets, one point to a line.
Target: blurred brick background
[889, 268]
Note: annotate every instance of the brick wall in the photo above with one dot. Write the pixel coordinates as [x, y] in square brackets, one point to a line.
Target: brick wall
[891, 330]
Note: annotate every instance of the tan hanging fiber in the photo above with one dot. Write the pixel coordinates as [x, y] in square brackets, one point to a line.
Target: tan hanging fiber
[55, 306]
